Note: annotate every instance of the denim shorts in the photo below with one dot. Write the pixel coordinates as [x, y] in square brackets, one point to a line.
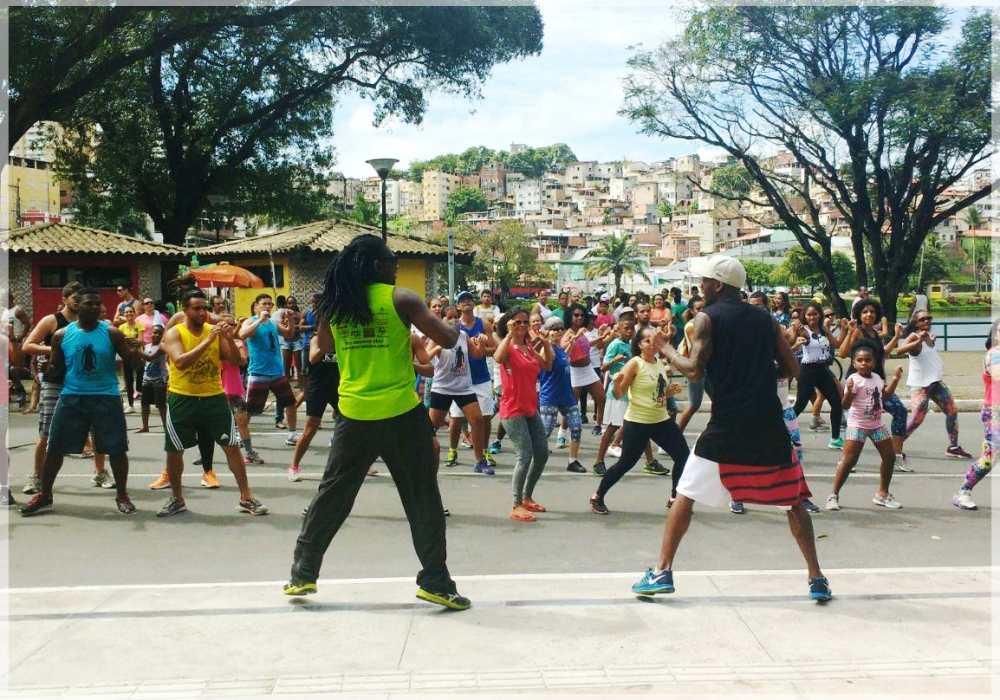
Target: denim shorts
[76, 416]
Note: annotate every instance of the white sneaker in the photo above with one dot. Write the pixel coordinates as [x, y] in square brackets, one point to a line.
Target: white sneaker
[615, 451]
[103, 479]
[660, 451]
[887, 501]
[832, 502]
[902, 464]
[129, 409]
[293, 473]
[962, 499]
[292, 439]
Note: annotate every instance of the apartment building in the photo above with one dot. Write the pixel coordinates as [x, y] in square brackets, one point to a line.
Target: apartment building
[411, 201]
[493, 181]
[578, 174]
[621, 188]
[437, 188]
[713, 233]
[528, 196]
[29, 191]
[645, 198]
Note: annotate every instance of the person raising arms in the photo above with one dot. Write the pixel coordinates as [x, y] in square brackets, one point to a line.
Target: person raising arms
[369, 319]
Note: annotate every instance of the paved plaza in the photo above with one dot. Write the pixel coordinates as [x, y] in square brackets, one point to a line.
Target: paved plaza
[107, 606]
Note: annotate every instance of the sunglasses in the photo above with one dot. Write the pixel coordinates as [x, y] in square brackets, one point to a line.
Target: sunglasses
[827, 315]
[925, 318]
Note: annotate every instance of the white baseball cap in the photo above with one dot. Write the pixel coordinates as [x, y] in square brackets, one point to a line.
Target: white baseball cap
[605, 297]
[722, 268]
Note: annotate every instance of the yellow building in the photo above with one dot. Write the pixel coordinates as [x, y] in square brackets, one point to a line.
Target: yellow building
[302, 254]
[437, 188]
[29, 193]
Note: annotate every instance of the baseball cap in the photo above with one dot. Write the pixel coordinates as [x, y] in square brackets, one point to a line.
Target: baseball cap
[722, 268]
[605, 297]
[626, 310]
[463, 294]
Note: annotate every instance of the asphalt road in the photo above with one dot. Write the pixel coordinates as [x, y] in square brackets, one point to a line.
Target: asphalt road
[84, 541]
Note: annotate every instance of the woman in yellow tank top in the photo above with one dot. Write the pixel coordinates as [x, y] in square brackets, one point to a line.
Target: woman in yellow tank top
[645, 379]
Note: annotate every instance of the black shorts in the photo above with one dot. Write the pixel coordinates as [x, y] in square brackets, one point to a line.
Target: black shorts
[442, 402]
[318, 398]
[154, 395]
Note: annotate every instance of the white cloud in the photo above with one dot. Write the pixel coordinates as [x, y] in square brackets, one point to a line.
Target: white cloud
[570, 94]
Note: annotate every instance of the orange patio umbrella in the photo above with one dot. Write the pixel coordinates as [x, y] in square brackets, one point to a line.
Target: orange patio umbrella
[226, 275]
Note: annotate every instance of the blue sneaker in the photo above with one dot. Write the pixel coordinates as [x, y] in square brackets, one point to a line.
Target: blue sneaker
[560, 443]
[494, 447]
[819, 589]
[653, 583]
[483, 468]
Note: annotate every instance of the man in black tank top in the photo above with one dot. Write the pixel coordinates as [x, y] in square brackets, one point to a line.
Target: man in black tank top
[744, 453]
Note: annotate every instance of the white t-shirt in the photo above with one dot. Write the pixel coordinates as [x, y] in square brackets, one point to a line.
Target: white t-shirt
[484, 313]
[816, 350]
[452, 375]
[925, 369]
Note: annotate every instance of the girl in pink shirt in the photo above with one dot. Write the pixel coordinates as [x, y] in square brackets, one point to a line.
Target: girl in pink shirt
[864, 393]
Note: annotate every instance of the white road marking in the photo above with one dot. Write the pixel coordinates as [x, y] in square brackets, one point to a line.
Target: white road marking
[630, 575]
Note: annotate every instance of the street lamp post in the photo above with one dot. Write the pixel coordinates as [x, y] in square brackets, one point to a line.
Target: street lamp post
[217, 201]
[382, 167]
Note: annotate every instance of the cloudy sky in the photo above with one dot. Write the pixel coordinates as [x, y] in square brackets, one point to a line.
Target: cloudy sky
[569, 94]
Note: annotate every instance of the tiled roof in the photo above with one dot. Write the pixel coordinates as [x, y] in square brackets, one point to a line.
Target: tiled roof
[327, 237]
[60, 238]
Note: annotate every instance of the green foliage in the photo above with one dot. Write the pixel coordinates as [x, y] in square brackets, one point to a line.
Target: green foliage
[665, 210]
[504, 257]
[617, 256]
[533, 162]
[800, 270]
[241, 105]
[368, 213]
[758, 273]
[732, 179]
[462, 200]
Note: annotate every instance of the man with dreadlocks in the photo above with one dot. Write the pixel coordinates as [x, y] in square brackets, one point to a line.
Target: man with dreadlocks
[367, 318]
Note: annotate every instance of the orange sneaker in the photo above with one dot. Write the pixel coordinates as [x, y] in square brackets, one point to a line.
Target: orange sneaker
[209, 480]
[162, 482]
[531, 506]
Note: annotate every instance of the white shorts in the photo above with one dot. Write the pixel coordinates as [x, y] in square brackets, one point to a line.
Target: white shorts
[614, 410]
[701, 483]
[582, 376]
[484, 394]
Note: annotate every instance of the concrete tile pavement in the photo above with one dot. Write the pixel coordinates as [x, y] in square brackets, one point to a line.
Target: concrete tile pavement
[886, 631]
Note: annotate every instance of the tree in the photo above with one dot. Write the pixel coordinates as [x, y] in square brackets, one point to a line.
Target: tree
[462, 200]
[873, 123]
[504, 257]
[617, 256]
[367, 213]
[758, 273]
[800, 269]
[244, 111]
[973, 217]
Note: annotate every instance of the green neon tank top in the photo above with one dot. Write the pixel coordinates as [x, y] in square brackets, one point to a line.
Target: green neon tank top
[376, 367]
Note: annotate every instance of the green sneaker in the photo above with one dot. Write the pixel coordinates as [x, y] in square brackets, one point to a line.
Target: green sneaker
[452, 459]
[655, 468]
[489, 459]
[299, 588]
[449, 600]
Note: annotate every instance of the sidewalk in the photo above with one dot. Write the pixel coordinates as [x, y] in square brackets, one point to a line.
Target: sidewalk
[888, 631]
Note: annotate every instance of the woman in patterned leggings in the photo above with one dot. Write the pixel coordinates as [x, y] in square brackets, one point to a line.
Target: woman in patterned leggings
[925, 379]
[991, 421]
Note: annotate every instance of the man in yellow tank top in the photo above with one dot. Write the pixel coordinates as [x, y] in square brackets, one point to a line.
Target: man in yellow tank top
[380, 415]
[196, 401]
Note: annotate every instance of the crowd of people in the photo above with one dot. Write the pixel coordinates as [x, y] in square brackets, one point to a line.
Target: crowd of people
[395, 369]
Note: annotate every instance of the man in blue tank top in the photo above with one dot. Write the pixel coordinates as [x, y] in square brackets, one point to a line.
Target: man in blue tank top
[84, 353]
[482, 385]
[744, 453]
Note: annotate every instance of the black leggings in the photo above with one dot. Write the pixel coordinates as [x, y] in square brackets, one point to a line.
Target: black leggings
[815, 376]
[133, 370]
[666, 434]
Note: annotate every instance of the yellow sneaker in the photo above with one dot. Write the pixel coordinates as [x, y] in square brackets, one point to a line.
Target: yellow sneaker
[162, 482]
[209, 480]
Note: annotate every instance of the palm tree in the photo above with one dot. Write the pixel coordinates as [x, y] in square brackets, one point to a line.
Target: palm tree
[973, 217]
[616, 256]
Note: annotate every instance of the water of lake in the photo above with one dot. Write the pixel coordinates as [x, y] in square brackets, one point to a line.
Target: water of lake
[961, 332]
